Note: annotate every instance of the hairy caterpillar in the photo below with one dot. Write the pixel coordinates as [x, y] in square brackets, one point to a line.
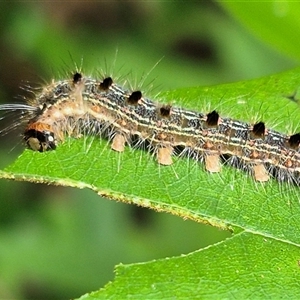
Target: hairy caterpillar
[100, 107]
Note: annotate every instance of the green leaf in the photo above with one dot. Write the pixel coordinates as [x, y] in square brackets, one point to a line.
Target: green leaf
[232, 269]
[264, 216]
[275, 22]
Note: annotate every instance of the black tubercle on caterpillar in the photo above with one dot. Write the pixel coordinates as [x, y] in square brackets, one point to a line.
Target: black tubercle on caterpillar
[106, 83]
[134, 97]
[77, 77]
[259, 130]
[212, 119]
[165, 111]
[294, 140]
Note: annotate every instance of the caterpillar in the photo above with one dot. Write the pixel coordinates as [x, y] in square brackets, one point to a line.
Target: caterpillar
[100, 107]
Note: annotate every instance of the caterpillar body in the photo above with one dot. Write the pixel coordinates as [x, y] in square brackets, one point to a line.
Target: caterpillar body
[100, 107]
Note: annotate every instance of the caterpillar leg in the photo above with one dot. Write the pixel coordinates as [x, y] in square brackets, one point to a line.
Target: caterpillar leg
[164, 155]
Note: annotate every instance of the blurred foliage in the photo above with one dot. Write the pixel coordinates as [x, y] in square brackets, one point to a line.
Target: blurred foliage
[275, 22]
[60, 243]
